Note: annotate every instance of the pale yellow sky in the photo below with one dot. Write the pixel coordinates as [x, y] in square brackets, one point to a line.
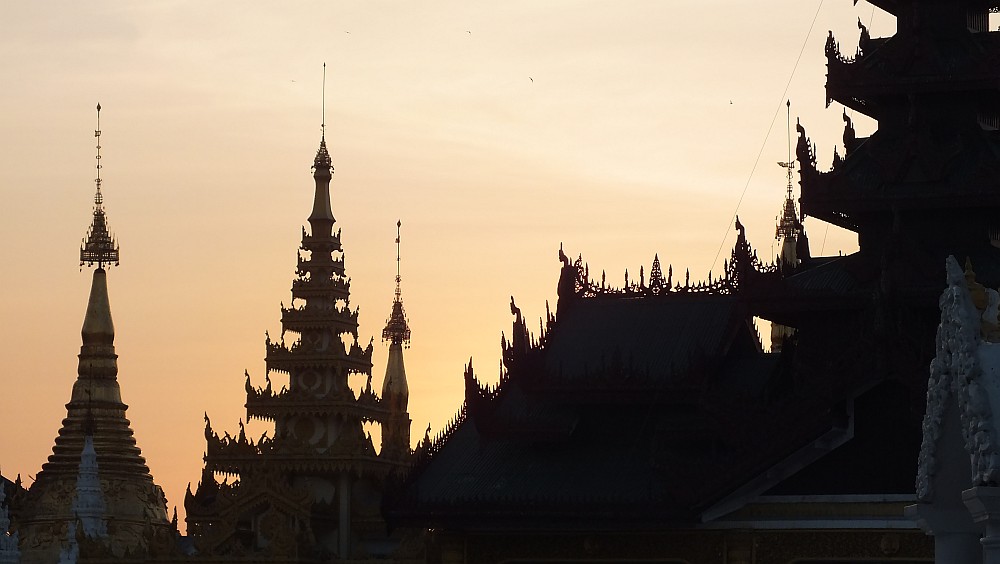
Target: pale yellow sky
[494, 131]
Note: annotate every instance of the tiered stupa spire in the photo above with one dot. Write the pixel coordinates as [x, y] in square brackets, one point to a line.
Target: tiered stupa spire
[95, 416]
[789, 232]
[395, 391]
[789, 224]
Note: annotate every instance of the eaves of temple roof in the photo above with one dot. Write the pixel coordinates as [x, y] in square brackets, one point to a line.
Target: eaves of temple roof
[315, 242]
[281, 358]
[895, 7]
[234, 459]
[307, 288]
[281, 406]
[341, 321]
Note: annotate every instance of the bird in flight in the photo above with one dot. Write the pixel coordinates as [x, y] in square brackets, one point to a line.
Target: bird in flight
[531, 79]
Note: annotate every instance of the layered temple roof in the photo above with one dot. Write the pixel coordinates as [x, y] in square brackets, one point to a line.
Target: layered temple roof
[932, 169]
[654, 406]
[636, 409]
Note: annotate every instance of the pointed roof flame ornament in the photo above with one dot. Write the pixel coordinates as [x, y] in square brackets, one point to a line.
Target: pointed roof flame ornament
[397, 330]
[99, 246]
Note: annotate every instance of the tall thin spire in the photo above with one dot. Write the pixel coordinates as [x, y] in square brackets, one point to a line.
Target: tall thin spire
[322, 125]
[397, 331]
[99, 246]
[321, 219]
[788, 225]
[789, 231]
[395, 390]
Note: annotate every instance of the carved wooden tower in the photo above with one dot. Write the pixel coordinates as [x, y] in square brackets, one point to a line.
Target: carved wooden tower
[314, 489]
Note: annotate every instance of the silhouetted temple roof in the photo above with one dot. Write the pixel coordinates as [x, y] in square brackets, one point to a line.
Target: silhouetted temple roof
[10, 487]
[627, 410]
[655, 404]
[653, 337]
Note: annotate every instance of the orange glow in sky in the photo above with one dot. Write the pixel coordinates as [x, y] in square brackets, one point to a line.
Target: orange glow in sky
[494, 130]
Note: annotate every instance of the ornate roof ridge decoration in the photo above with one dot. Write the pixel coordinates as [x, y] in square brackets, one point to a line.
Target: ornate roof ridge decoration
[99, 246]
[302, 351]
[742, 266]
[397, 330]
[239, 444]
[368, 397]
[429, 447]
[479, 396]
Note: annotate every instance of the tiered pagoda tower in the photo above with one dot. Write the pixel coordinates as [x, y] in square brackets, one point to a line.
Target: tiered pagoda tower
[927, 183]
[313, 490]
[923, 186]
[95, 417]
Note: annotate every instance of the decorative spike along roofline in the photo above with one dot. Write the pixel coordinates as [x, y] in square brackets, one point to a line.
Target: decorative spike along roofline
[742, 266]
[435, 444]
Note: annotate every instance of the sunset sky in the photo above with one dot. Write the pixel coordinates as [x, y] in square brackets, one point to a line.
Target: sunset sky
[493, 130]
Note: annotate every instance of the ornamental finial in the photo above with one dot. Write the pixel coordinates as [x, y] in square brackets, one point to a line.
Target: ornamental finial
[397, 330]
[789, 224]
[322, 123]
[322, 162]
[99, 246]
